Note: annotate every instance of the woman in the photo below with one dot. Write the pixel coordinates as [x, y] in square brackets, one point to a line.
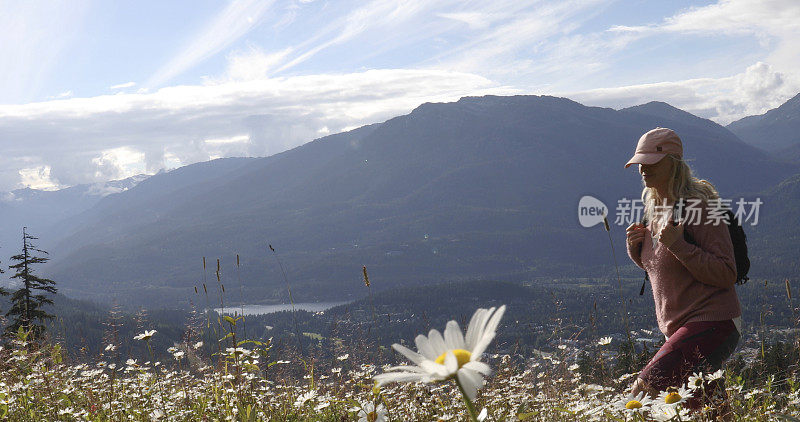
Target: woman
[693, 283]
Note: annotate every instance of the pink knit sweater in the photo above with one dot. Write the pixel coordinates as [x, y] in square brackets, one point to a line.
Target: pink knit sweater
[689, 282]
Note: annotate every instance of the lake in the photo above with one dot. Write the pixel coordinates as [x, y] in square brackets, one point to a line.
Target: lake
[268, 309]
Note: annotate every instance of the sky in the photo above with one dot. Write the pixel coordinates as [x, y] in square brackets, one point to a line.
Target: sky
[92, 90]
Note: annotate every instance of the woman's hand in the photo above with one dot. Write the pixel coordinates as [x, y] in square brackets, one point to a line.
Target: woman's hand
[635, 234]
[670, 233]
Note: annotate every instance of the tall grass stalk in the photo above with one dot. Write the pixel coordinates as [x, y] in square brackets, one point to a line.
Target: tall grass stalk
[291, 300]
[369, 291]
[208, 305]
[619, 282]
[221, 306]
[241, 296]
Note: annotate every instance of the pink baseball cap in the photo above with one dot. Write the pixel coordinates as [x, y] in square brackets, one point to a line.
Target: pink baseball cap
[655, 145]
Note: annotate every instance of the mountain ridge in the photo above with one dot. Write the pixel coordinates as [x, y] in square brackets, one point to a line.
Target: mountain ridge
[777, 129]
[485, 187]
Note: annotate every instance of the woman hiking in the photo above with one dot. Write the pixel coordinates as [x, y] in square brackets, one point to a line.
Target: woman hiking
[693, 283]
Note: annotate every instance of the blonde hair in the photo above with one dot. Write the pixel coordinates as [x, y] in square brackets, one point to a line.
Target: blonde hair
[682, 185]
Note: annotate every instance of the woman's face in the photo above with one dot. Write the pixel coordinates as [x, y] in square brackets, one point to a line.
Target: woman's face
[657, 175]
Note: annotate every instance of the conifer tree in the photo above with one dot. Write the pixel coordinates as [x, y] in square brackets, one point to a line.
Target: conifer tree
[3, 291]
[27, 302]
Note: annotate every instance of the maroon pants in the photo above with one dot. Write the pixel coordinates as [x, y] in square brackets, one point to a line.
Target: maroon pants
[695, 347]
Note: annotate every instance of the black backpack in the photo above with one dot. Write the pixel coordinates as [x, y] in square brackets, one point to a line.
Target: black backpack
[738, 238]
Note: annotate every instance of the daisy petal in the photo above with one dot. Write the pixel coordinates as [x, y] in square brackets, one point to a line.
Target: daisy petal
[453, 337]
[436, 371]
[478, 367]
[488, 334]
[425, 348]
[398, 377]
[471, 381]
[482, 344]
[406, 368]
[495, 320]
[410, 354]
[450, 362]
[437, 342]
[475, 325]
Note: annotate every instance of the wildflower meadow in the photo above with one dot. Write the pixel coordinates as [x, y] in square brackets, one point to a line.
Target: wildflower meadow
[452, 375]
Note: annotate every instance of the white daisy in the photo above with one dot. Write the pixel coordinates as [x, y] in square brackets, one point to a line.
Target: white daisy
[451, 356]
[695, 381]
[631, 403]
[304, 398]
[668, 413]
[371, 413]
[145, 335]
[674, 396]
[716, 375]
[604, 341]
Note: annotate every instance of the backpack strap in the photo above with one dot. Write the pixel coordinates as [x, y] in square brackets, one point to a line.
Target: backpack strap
[686, 236]
[646, 276]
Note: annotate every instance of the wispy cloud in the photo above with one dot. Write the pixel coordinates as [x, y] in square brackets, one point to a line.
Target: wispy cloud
[94, 139]
[35, 36]
[122, 86]
[383, 14]
[730, 17]
[512, 39]
[775, 23]
[754, 91]
[232, 23]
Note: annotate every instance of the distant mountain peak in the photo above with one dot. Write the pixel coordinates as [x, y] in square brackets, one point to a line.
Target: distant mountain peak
[660, 108]
[98, 189]
[499, 100]
[777, 129]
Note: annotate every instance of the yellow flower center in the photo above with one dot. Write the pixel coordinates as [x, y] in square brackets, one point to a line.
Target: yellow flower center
[462, 356]
[672, 398]
[633, 404]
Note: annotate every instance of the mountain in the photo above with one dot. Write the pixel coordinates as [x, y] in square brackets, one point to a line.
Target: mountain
[485, 187]
[773, 131]
[791, 153]
[42, 211]
[777, 233]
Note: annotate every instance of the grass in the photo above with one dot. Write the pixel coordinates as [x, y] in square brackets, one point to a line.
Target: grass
[235, 378]
[248, 383]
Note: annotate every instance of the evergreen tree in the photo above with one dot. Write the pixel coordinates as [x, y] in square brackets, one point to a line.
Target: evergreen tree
[3, 291]
[27, 302]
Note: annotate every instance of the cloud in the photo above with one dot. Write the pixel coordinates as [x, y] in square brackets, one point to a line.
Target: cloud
[122, 86]
[8, 197]
[118, 163]
[384, 15]
[232, 23]
[474, 20]
[86, 140]
[38, 178]
[516, 39]
[775, 23]
[65, 94]
[35, 36]
[738, 17]
[253, 64]
[754, 91]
